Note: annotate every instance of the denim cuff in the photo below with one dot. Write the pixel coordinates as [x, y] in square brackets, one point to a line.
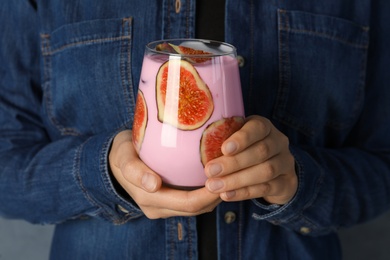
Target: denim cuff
[97, 183]
[291, 215]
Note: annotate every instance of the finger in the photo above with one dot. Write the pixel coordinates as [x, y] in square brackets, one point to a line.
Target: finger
[168, 202]
[278, 191]
[127, 167]
[138, 174]
[253, 155]
[250, 176]
[191, 202]
[282, 164]
[256, 128]
[249, 192]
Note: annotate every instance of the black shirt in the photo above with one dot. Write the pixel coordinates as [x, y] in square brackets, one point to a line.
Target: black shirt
[210, 20]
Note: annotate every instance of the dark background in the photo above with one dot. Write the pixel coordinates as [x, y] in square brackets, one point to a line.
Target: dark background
[21, 240]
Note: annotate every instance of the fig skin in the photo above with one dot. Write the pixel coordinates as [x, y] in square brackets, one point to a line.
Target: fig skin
[139, 127]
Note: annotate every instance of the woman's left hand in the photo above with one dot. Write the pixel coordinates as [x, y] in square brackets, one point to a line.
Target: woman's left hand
[256, 163]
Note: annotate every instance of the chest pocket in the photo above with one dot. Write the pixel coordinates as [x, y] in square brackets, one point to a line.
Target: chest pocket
[321, 71]
[87, 76]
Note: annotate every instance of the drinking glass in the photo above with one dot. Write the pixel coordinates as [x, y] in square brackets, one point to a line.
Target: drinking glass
[189, 101]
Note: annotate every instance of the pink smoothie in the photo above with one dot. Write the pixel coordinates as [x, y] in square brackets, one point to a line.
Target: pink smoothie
[173, 153]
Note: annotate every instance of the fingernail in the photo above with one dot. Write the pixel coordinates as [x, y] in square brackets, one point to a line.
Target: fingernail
[215, 185]
[214, 169]
[149, 181]
[230, 147]
[230, 194]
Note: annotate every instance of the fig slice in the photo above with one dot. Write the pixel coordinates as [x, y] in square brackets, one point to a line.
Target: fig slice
[190, 51]
[165, 47]
[140, 121]
[215, 134]
[183, 98]
[187, 51]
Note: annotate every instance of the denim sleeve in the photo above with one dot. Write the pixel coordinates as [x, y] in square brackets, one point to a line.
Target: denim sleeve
[45, 180]
[344, 186]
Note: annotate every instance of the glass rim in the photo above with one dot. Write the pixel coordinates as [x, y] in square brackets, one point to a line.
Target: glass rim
[232, 50]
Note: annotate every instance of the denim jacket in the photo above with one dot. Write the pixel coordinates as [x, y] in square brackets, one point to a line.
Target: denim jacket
[69, 71]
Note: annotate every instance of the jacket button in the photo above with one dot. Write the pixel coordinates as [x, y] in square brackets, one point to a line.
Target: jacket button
[177, 6]
[305, 230]
[230, 217]
[241, 61]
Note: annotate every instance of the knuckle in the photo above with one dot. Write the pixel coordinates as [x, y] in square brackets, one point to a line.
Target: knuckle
[244, 135]
[269, 171]
[234, 163]
[263, 149]
[263, 124]
[192, 207]
[264, 189]
[128, 168]
[127, 172]
[246, 193]
[131, 173]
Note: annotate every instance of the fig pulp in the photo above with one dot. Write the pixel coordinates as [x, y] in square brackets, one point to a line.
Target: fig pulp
[215, 134]
[191, 52]
[140, 120]
[183, 98]
[192, 55]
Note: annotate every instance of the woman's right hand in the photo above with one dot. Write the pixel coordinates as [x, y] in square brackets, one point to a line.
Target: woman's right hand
[146, 189]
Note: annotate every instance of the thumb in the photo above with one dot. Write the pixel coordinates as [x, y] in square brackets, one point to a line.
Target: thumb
[126, 165]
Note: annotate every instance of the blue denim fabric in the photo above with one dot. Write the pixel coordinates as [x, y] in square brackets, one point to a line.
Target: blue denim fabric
[69, 72]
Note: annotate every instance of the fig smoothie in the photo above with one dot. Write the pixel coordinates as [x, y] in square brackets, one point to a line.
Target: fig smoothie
[186, 107]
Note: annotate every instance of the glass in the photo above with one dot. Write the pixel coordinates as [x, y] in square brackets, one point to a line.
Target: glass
[189, 101]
